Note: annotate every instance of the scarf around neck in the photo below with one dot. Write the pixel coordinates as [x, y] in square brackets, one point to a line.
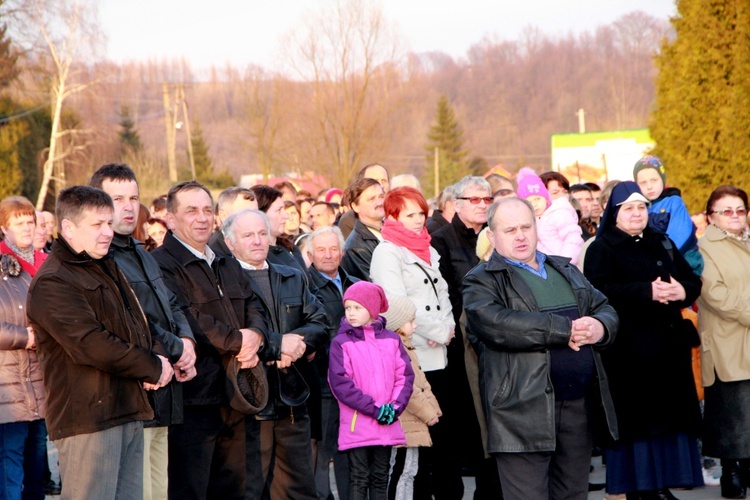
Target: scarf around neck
[27, 266]
[416, 243]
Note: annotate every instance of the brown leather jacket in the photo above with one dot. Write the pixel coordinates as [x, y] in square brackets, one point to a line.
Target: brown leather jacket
[93, 342]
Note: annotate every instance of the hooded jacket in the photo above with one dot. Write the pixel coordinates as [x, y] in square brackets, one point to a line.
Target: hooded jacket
[369, 367]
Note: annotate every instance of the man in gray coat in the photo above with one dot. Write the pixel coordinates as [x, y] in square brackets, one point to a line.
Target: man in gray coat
[537, 326]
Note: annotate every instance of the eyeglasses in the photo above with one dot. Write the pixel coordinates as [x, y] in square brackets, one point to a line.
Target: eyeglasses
[728, 212]
[475, 200]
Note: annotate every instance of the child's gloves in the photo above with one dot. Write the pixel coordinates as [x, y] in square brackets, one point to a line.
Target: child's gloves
[386, 414]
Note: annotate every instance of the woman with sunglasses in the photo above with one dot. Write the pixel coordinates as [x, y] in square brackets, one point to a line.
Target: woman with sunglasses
[724, 323]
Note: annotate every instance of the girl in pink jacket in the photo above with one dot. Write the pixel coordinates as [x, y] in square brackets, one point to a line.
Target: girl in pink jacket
[371, 377]
[557, 221]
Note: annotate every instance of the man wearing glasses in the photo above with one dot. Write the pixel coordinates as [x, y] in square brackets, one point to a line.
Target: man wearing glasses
[456, 243]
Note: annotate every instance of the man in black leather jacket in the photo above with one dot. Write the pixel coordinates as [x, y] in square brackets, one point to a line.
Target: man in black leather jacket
[167, 323]
[281, 431]
[537, 326]
[207, 451]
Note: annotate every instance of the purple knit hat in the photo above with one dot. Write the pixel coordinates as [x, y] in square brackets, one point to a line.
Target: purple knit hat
[368, 295]
[530, 184]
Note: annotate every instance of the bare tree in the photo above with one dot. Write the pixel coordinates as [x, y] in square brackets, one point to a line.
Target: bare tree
[264, 97]
[63, 33]
[348, 54]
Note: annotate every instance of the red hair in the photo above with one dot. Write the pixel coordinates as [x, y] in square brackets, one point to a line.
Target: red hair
[395, 201]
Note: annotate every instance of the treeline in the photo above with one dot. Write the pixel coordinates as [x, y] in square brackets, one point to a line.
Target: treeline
[508, 97]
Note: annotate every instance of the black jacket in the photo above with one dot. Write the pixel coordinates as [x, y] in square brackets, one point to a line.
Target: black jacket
[456, 245]
[165, 319]
[436, 221]
[217, 301]
[333, 303]
[297, 311]
[93, 342]
[512, 340]
[359, 247]
[649, 364]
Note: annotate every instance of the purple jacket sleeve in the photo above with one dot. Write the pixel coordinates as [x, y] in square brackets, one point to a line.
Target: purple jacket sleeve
[404, 382]
[342, 385]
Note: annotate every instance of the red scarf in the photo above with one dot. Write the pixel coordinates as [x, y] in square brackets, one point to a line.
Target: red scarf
[30, 268]
[416, 243]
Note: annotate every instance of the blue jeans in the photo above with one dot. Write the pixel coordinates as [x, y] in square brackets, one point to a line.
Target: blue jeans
[23, 452]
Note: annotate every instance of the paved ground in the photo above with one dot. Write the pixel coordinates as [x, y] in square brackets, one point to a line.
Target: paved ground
[597, 476]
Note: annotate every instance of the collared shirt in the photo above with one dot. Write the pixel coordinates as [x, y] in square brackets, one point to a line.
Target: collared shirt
[540, 259]
[209, 256]
[251, 267]
[336, 280]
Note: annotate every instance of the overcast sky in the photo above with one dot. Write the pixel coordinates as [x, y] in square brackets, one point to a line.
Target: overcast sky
[210, 32]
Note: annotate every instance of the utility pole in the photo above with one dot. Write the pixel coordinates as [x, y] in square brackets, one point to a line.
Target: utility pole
[169, 124]
[437, 172]
[581, 121]
[187, 130]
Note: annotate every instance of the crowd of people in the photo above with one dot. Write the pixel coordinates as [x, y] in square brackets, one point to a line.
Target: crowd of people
[256, 345]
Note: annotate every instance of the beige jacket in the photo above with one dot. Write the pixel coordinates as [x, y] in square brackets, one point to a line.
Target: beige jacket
[724, 308]
[422, 407]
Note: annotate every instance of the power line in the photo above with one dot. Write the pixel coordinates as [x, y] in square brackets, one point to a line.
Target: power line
[10, 118]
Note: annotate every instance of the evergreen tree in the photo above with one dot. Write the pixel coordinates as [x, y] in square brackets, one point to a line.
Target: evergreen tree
[11, 133]
[445, 135]
[130, 141]
[204, 167]
[701, 123]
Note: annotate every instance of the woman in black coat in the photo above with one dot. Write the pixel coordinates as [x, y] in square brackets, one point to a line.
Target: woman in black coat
[648, 282]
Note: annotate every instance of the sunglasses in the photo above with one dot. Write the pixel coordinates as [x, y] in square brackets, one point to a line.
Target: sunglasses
[475, 200]
[728, 212]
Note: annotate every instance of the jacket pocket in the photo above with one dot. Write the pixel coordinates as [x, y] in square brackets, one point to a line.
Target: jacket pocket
[502, 393]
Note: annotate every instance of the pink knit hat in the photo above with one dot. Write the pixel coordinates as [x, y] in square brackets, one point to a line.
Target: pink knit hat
[530, 184]
[368, 295]
[333, 192]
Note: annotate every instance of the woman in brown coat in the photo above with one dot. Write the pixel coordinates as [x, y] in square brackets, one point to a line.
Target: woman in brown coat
[724, 324]
[23, 434]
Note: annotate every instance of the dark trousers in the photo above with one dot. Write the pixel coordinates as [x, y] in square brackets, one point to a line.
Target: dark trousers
[327, 450]
[285, 457]
[207, 454]
[368, 472]
[440, 465]
[562, 474]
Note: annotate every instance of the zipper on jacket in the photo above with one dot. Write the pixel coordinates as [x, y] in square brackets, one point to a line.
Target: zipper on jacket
[354, 421]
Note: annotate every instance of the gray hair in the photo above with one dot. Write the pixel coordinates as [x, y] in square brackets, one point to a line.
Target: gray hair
[468, 182]
[446, 195]
[504, 201]
[406, 180]
[228, 226]
[323, 231]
